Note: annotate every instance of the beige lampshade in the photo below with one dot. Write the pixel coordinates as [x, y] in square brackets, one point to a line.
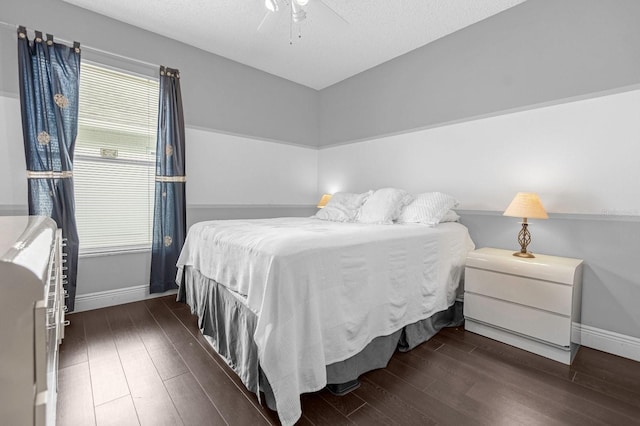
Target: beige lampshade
[526, 205]
[323, 201]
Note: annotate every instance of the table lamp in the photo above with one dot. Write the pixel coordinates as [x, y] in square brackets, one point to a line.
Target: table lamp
[526, 205]
[323, 201]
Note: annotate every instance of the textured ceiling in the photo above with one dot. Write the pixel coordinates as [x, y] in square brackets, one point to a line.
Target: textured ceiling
[329, 49]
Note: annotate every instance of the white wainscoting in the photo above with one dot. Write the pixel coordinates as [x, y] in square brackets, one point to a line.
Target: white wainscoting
[227, 169]
[221, 168]
[580, 156]
[13, 175]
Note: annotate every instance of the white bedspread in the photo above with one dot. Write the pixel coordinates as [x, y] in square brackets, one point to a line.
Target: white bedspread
[323, 290]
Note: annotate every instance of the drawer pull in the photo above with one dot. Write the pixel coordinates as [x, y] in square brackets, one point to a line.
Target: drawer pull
[66, 323]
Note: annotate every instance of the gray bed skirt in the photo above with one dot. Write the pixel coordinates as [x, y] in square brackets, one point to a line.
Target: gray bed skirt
[228, 325]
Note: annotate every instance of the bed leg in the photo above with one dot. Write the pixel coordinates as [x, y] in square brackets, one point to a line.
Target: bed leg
[342, 389]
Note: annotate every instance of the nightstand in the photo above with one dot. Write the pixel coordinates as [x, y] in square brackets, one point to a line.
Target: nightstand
[528, 303]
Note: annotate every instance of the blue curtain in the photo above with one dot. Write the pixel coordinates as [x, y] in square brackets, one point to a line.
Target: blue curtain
[49, 83]
[169, 220]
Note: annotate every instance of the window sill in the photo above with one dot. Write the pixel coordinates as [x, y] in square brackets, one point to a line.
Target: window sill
[114, 251]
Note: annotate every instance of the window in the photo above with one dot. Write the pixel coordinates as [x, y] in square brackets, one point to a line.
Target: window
[114, 159]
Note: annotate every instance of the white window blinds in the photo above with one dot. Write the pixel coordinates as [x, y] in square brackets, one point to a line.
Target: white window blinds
[114, 160]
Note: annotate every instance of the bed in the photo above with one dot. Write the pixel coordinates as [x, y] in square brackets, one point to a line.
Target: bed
[294, 304]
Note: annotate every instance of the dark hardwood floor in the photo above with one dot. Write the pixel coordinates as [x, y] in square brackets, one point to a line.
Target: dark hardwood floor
[146, 363]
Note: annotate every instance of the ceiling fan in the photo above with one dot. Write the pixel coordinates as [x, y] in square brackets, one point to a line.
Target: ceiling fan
[297, 12]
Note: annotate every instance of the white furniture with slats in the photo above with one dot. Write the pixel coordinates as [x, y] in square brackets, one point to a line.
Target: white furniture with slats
[528, 303]
[31, 319]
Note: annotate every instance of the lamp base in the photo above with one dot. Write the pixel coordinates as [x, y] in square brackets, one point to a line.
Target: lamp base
[524, 238]
[526, 254]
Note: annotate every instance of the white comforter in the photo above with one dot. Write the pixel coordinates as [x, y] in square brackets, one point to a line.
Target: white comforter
[323, 290]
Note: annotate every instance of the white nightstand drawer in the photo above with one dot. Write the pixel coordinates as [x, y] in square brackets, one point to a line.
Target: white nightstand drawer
[545, 295]
[542, 267]
[521, 319]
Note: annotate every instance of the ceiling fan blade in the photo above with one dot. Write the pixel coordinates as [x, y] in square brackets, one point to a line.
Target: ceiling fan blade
[264, 19]
[332, 10]
[270, 21]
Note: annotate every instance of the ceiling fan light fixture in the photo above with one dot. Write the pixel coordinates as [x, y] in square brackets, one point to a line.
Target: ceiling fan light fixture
[299, 16]
[271, 5]
[297, 12]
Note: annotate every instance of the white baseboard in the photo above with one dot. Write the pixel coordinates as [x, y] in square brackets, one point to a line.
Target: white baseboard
[606, 341]
[103, 299]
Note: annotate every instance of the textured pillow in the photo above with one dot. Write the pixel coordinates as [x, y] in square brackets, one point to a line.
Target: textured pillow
[384, 206]
[450, 216]
[343, 206]
[428, 208]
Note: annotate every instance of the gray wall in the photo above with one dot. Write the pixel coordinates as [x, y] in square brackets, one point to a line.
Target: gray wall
[537, 52]
[217, 93]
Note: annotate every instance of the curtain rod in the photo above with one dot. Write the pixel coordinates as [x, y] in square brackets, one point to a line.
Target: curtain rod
[92, 49]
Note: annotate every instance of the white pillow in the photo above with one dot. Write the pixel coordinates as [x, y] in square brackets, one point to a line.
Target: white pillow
[384, 206]
[428, 208]
[450, 216]
[343, 206]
